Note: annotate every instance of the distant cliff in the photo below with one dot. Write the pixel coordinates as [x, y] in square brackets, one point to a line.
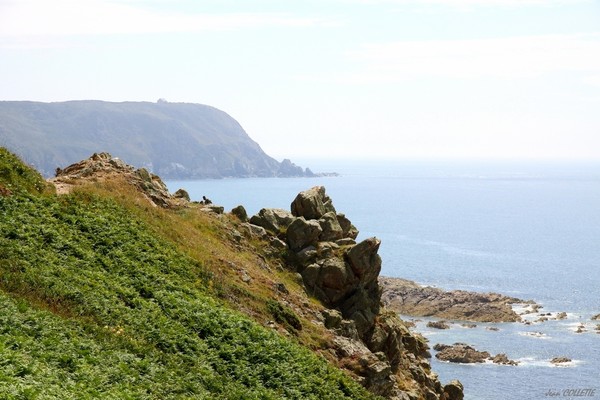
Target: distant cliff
[174, 140]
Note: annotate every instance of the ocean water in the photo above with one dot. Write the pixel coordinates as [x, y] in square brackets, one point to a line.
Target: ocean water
[529, 230]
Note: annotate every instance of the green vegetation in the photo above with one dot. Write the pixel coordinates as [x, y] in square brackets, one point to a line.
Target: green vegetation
[94, 303]
[14, 175]
[284, 315]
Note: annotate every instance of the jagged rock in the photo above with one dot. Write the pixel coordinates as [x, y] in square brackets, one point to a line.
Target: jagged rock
[560, 360]
[335, 279]
[596, 317]
[307, 255]
[277, 243]
[362, 307]
[214, 209]
[387, 337]
[312, 203]
[182, 194]
[345, 242]
[302, 233]
[409, 298]
[254, 230]
[348, 230]
[240, 212]
[438, 325]
[331, 229]
[379, 379]
[374, 344]
[348, 329]
[460, 353]
[454, 390]
[470, 326]
[274, 220]
[364, 260]
[332, 318]
[503, 360]
[102, 167]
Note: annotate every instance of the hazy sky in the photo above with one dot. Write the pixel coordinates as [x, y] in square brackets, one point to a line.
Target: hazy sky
[333, 78]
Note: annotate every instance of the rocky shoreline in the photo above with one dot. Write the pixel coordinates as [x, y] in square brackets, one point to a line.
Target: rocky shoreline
[409, 298]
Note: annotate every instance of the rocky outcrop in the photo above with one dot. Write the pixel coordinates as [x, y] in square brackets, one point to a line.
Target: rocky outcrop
[464, 354]
[373, 343]
[454, 390]
[103, 167]
[438, 325]
[409, 298]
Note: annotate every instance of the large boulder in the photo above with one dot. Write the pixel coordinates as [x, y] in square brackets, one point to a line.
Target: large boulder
[348, 230]
[332, 230]
[312, 203]
[275, 220]
[302, 233]
[364, 260]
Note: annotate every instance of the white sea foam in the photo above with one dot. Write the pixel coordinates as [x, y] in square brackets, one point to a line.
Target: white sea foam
[535, 335]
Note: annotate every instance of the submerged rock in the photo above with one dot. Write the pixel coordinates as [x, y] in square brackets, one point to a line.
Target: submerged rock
[560, 360]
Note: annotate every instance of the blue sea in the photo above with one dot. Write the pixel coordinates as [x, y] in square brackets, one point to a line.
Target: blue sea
[524, 229]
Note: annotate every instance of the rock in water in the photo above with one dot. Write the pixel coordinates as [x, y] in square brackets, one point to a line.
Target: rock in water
[560, 360]
[409, 298]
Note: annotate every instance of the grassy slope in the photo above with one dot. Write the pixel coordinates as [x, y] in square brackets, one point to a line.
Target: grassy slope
[95, 303]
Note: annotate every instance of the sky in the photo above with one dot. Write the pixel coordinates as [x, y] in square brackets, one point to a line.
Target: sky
[387, 79]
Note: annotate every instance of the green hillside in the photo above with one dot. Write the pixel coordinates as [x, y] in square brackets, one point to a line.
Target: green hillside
[101, 297]
[173, 140]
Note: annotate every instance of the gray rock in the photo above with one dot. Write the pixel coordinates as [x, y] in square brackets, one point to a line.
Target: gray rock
[255, 230]
[307, 255]
[277, 244]
[312, 203]
[274, 220]
[335, 279]
[332, 230]
[364, 260]
[213, 209]
[348, 230]
[182, 194]
[302, 233]
[332, 318]
[240, 212]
